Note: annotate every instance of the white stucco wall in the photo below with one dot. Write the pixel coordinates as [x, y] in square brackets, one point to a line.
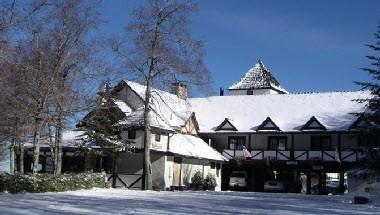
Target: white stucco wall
[189, 167]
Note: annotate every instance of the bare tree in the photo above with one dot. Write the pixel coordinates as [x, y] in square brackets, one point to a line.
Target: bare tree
[70, 58]
[160, 50]
[55, 55]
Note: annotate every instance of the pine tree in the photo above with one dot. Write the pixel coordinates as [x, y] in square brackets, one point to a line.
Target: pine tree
[101, 130]
[372, 114]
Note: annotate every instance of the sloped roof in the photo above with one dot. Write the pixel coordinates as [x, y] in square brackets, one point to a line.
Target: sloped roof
[258, 77]
[191, 146]
[168, 110]
[288, 111]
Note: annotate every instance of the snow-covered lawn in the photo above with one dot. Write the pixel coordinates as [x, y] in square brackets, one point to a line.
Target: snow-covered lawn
[113, 201]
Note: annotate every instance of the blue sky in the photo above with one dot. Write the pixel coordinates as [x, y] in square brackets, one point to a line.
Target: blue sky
[308, 45]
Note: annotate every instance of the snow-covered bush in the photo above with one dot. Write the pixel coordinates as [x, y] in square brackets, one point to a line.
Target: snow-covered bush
[50, 183]
[210, 182]
[364, 181]
[197, 181]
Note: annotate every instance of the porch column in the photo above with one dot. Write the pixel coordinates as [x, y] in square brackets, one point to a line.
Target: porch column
[340, 147]
[249, 142]
[341, 181]
[292, 148]
[308, 183]
[320, 183]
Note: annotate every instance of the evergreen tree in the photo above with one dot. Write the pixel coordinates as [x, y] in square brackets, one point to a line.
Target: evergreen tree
[372, 114]
[101, 131]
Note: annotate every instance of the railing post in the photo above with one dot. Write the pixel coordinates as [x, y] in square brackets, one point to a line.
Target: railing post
[292, 148]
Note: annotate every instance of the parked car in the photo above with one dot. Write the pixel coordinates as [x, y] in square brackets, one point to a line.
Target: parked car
[275, 186]
[238, 179]
[332, 187]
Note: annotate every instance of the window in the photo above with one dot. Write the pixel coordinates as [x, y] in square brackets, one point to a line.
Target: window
[249, 92]
[236, 142]
[131, 134]
[320, 143]
[212, 165]
[157, 137]
[277, 143]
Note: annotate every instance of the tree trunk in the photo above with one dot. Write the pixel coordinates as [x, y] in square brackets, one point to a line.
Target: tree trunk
[21, 159]
[36, 145]
[52, 147]
[12, 159]
[147, 171]
[58, 146]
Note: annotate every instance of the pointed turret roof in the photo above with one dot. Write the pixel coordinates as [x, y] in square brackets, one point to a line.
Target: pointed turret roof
[258, 77]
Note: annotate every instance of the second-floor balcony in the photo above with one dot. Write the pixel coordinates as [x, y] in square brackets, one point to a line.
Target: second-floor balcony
[295, 155]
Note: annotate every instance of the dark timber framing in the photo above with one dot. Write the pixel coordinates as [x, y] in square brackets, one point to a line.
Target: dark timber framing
[220, 127]
[266, 122]
[308, 126]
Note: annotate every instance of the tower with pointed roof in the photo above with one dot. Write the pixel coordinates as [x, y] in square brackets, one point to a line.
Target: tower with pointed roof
[258, 80]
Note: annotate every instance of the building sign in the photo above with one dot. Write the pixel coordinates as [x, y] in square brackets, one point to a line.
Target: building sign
[291, 162]
[317, 167]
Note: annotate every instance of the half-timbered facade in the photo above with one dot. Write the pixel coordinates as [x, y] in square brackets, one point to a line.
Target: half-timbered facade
[297, 138]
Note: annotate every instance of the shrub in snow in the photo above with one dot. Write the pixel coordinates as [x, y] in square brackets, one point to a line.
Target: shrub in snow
[364, 181]
[210, 182]
[197, 181]
[50, 183]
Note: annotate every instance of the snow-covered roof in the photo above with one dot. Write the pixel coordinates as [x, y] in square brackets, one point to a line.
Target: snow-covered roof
[70, 138]
[168, 110]
[192, 146]
[289, 112]
[122, 106]
[258, 77]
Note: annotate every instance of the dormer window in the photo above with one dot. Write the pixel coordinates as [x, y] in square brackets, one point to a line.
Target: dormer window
[226, 125]
[268, 125]
[313, 124]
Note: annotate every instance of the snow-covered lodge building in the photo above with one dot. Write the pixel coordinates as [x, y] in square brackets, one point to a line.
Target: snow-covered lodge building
[259, 128]
[290, 137]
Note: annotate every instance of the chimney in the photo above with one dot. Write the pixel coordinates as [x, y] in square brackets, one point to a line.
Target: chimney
[221, 92]
[179, 89]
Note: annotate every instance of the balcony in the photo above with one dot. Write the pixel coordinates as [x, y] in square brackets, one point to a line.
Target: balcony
[298, 155]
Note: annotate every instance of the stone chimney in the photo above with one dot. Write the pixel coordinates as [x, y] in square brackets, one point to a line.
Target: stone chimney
[179, 89]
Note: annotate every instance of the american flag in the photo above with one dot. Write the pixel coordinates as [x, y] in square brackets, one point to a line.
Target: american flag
[246, 153]
[337, 157]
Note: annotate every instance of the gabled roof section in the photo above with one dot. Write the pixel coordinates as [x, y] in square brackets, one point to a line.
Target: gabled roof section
[268, 125]
[169, 112]
[258, 77]
[313, 124]
[360, 123]
[226, 125]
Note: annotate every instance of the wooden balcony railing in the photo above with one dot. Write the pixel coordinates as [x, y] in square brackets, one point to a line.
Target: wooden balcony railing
[296, 155]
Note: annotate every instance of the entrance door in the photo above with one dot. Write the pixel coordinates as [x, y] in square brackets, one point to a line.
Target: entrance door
[177, 172]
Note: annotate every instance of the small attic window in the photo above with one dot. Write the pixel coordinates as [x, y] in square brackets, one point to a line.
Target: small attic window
[226, 125]
[131, 134]
[313, 124]
[268, 124]
[157, 137]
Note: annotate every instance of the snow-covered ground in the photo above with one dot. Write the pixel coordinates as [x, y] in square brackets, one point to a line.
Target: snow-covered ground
[113, 201]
